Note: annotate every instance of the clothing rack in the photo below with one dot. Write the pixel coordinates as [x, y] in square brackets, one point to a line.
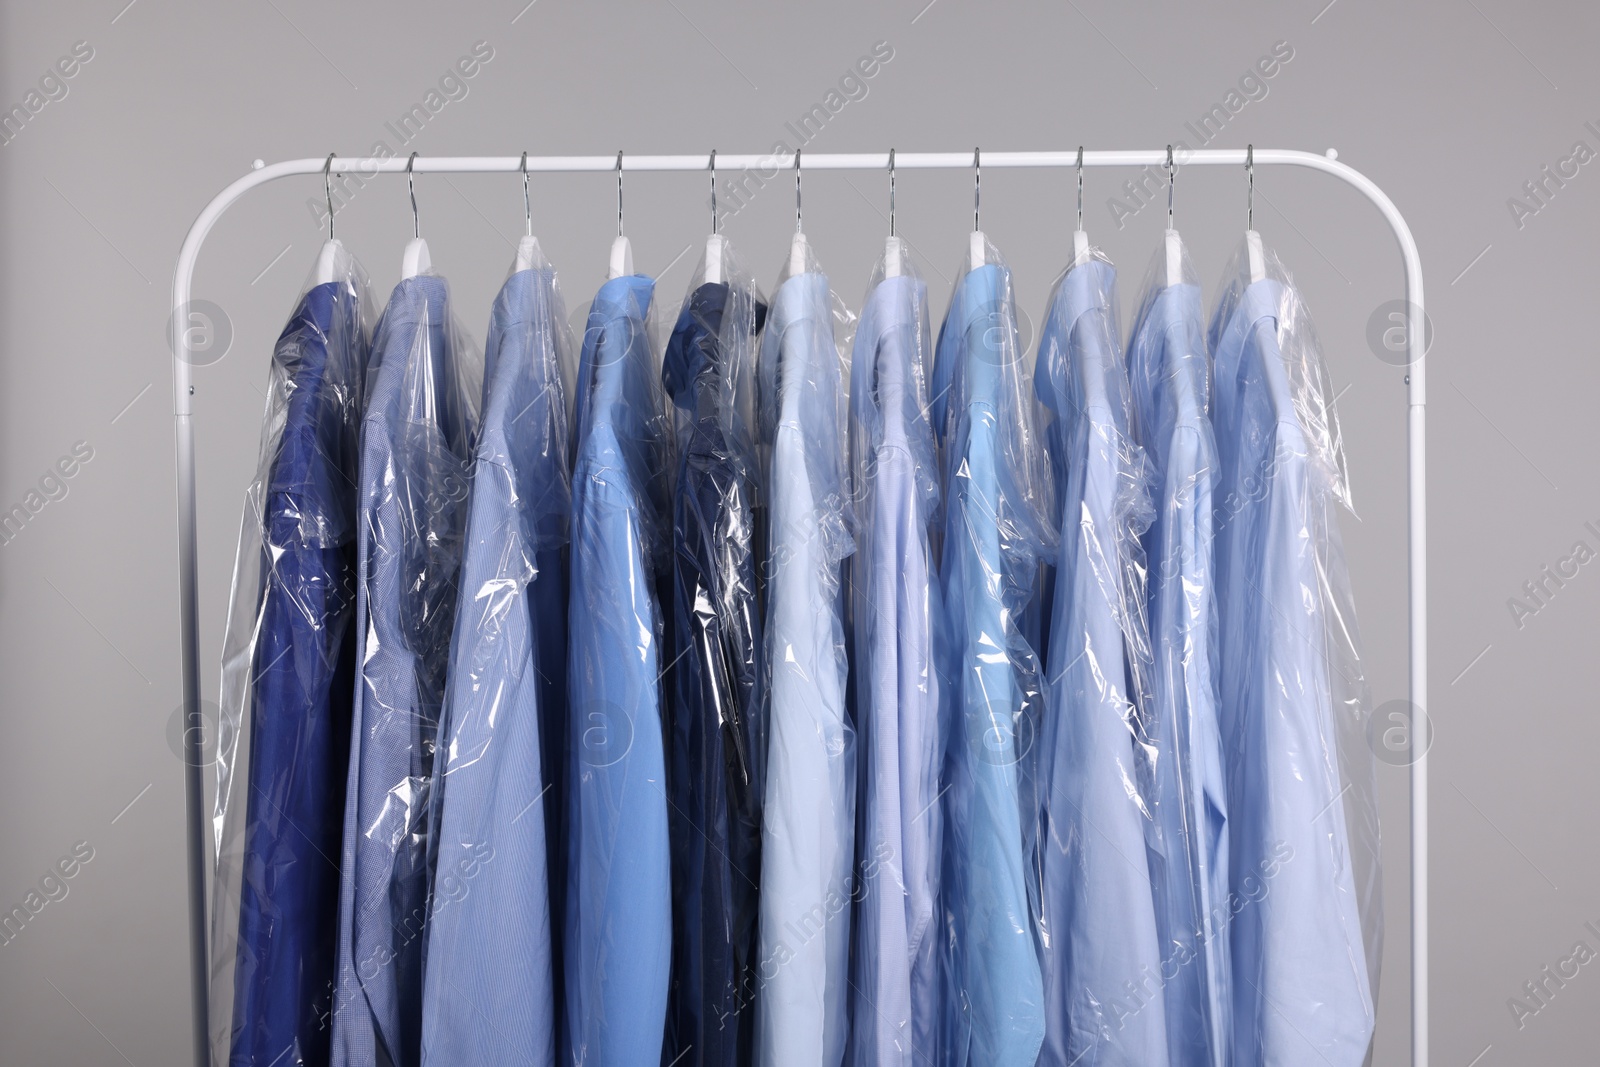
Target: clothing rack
[261, 174]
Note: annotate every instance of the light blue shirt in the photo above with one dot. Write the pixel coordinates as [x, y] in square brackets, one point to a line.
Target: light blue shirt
[995, 1010]
[488, 993]
[1301, 987]
[415, 455]
[895, 950]
[1170, 374]
[618, 944]
[1103, 995]
[808, 831]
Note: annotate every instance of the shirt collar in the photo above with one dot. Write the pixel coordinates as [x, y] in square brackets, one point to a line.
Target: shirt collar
[1086, 288]
[418, 300]
[894, 306]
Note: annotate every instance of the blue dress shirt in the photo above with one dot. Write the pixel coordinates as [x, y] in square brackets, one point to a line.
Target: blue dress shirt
[1170, 374]
[1103, 996]
[895, 951]
[415, 450]
[304, 662]
[995, 1013]
[1301, 985]
[489, 996]
[808, 823]
[619, 920]
[716, 740]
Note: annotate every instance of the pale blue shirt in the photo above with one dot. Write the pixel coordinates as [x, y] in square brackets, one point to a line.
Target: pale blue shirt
[896, 947]
[808, 832]
[1170, 373]
[1103, 995]
[1302, 993]
[489, 996]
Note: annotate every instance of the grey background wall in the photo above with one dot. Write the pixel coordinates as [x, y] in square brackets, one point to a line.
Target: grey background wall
[1451, 105]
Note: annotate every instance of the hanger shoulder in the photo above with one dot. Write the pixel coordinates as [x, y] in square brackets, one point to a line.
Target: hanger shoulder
[416, 259]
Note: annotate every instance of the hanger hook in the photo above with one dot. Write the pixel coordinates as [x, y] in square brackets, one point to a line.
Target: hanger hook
[619, 192]
[977, 186]
[527, 205]
[1250, 172]
[1172, 176]
[713, 192]
[891, 192]
[327, 187]
[1080, 187]
[797, 218]
[411, 186]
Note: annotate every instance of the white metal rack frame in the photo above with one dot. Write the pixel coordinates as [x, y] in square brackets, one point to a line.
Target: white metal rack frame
[1416, 454]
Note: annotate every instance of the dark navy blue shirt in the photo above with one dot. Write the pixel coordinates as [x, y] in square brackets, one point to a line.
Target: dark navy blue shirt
[715, 738]
[300, 693]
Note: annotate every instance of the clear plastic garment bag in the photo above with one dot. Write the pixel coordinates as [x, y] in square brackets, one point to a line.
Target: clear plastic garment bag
[288, 670]
[1306, 924]
[808, 824]
[996, 527]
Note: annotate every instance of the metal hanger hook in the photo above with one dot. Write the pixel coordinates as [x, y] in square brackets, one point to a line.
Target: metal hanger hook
[527, 205]
[619, 192]
[1250, 173]
[977, 186]
[797, 217]
[713, 192]
[891, 192]
[327, 187]
[411, 186]
[1172, 179]
[1080, 187]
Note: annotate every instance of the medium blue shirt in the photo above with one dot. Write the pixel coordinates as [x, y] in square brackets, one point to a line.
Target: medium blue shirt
[1171, 374]
[995, 1013]
[1301, 987]
[303, 668]
[1103, 1002]
[415, 452]
[808, 825]
[619, 920]
[895, 952]
[489, 995]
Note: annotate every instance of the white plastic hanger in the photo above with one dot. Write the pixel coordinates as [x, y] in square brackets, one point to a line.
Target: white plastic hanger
[1080, 239]
[328, 260]
[1174, 245]
[621, 249]
[416, 259]
[714, 242]
[528, 247]
[1252, 239]
[797, 247]
[893, 247]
